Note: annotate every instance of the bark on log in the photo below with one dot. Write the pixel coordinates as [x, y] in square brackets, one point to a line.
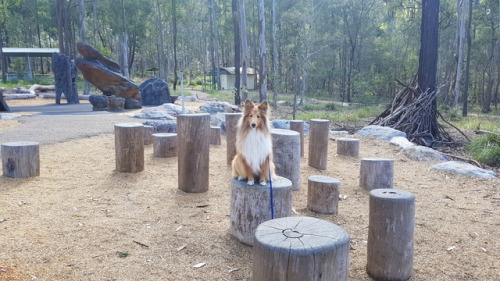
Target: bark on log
[164, 145]
[286, 152]
[390, 234]
[251, 206]
[323, 194]
[376, 173]
[215, 135]
[129, 147]
[318, 143]
[298, 126]
[42, 88]
[231, 122]
[193, 134]
[300, 248]
[148, 134]
[20, 159]
[19, 96]
[348, 147]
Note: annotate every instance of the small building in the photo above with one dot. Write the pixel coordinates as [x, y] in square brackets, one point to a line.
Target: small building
[227, 78]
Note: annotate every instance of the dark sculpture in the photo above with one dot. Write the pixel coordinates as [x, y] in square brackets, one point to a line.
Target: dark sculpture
[154, 91]
[64, 78]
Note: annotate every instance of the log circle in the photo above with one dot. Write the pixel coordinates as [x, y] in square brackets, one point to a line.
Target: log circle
[20, 159]
[300, 248]
[231, 129]
[286, 152]
[298, 126]
[129, 147]
[164, 145]
[376, 173]
[318, 143]
[148, 134]
[348, 147]
[215, 135]
[251, 205]
[323, 194]
[390, 234]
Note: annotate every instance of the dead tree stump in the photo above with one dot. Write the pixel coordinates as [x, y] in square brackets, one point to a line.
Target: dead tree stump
[348, 147]
[251, 205]
[129, 147]
[300, 248]
[376, 173]
[215, 135]
[164, 145]
[323, 194]
[193, 146]
[286, 151]
[148, 135]
[318, 143]
[21, 159]
[231, 123]
[390, 234]
[298, 126]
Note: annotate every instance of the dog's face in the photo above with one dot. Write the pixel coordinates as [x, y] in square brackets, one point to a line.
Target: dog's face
[255, 115]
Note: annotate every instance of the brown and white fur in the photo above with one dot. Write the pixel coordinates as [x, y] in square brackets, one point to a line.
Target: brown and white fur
[254, 150]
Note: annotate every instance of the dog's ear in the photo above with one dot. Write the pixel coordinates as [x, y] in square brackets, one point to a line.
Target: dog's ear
[263, 106]
[248, 105]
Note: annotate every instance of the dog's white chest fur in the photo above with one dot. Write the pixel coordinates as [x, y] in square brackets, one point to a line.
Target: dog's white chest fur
[256, 148]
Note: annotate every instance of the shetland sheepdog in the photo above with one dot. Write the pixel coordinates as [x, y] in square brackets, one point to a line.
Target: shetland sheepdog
[254, 149]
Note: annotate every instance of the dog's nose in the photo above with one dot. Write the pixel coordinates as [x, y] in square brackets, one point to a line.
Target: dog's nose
[253, 125]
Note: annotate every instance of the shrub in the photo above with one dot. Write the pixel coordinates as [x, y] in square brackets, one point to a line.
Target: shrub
[486, 150]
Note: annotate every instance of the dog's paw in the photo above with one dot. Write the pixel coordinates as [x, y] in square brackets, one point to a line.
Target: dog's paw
[263, 183]
[241, 178]
[250, 182]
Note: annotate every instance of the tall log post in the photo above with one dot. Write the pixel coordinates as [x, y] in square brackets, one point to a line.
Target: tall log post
[215, 135]
[148, 134]
[286, 151]
[348, 147]
[251, 205]
[298, 126]
[318, 143]
[20, 159]
[376, 173]
[323, 194]
[129, 147]
[164, 145]
[300, 248]
[193, 146]
[390, 234]
[231, 123]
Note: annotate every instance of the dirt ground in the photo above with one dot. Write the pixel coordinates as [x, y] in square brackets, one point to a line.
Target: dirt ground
[81, 220]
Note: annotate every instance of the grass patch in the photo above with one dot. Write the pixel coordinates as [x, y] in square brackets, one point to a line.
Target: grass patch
[486, 150]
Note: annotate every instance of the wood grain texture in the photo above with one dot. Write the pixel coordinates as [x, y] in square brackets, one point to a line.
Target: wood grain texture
[376, 173]
[250, 206]
[193, 144]
[164, 145]
[348, 147]
[318, 143]
[390, 234]
[298, 126]
[323, 194]
[231, 122]
[286, 151]
[129, 147]
[20, 159]
[300, 248]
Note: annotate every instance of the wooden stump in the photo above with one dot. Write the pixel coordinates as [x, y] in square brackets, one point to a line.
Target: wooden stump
[300, 248]
[116, 104]
[251, 205]
[129, 147]
[231, 122]
[193, 134]
[21, 159]
[318, 143]
[323, 194]
[348, 147]
[390, 234]
[298, 126]
[376, 173]
[215, 135]
[286, 150]
[164, 145]
[148, 134]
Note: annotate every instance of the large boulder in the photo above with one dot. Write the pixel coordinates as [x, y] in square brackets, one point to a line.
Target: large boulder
[423, 153]
[92, 53]
[154, 91]
[376, 131]
[464, 169]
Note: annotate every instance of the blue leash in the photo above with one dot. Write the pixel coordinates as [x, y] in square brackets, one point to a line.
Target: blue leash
[271, 191]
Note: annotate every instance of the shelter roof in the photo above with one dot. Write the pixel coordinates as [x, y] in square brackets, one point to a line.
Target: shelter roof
[31, 52]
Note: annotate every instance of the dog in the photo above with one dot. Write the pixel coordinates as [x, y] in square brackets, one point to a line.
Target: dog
[254, 149]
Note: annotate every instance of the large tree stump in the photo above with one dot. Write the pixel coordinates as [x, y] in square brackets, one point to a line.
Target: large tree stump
[390, 234]
[129, 147]
[215, 135]
[298, 126]
[323, 194]
[300, 248]
[348, 147]
[231, 123]
[286, 150]
[193, 133]
[318, 143]
[148, 134]
[164, 145]
[21, 159]
[376, 173]
[251, 205]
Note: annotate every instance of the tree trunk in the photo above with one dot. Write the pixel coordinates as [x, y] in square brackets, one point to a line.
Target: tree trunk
[162, 65]
[275, 76]
[83, 38]
[237, 51]
[215, 45]
[262, 47]
[244, 51]
[467, 62]
[427, 64]
[491, 79]
[461, 39]
[174, 15]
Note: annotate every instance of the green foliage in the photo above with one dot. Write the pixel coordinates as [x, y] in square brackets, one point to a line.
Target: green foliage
[123, 254]
[360, 114]
[221, 95]
[486, 149]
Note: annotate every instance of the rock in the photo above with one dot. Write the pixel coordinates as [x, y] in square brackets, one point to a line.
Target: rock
[166, 111]
[376, 131]
[8, 116]
[92, 53]
[176, 109]
[162, 126]
[99, 101]
[154, 91]
[116, 104]
[422, 153]
[217, 119]
[189, 98]
[402, 142]
[214, 107]
[281, 124]
[64, 78]
[160, 115]
[339, 132]
[131, 103]
[464, 169]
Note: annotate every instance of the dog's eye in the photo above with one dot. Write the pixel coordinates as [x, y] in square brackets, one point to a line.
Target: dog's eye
[258, 116]
[250, 115]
